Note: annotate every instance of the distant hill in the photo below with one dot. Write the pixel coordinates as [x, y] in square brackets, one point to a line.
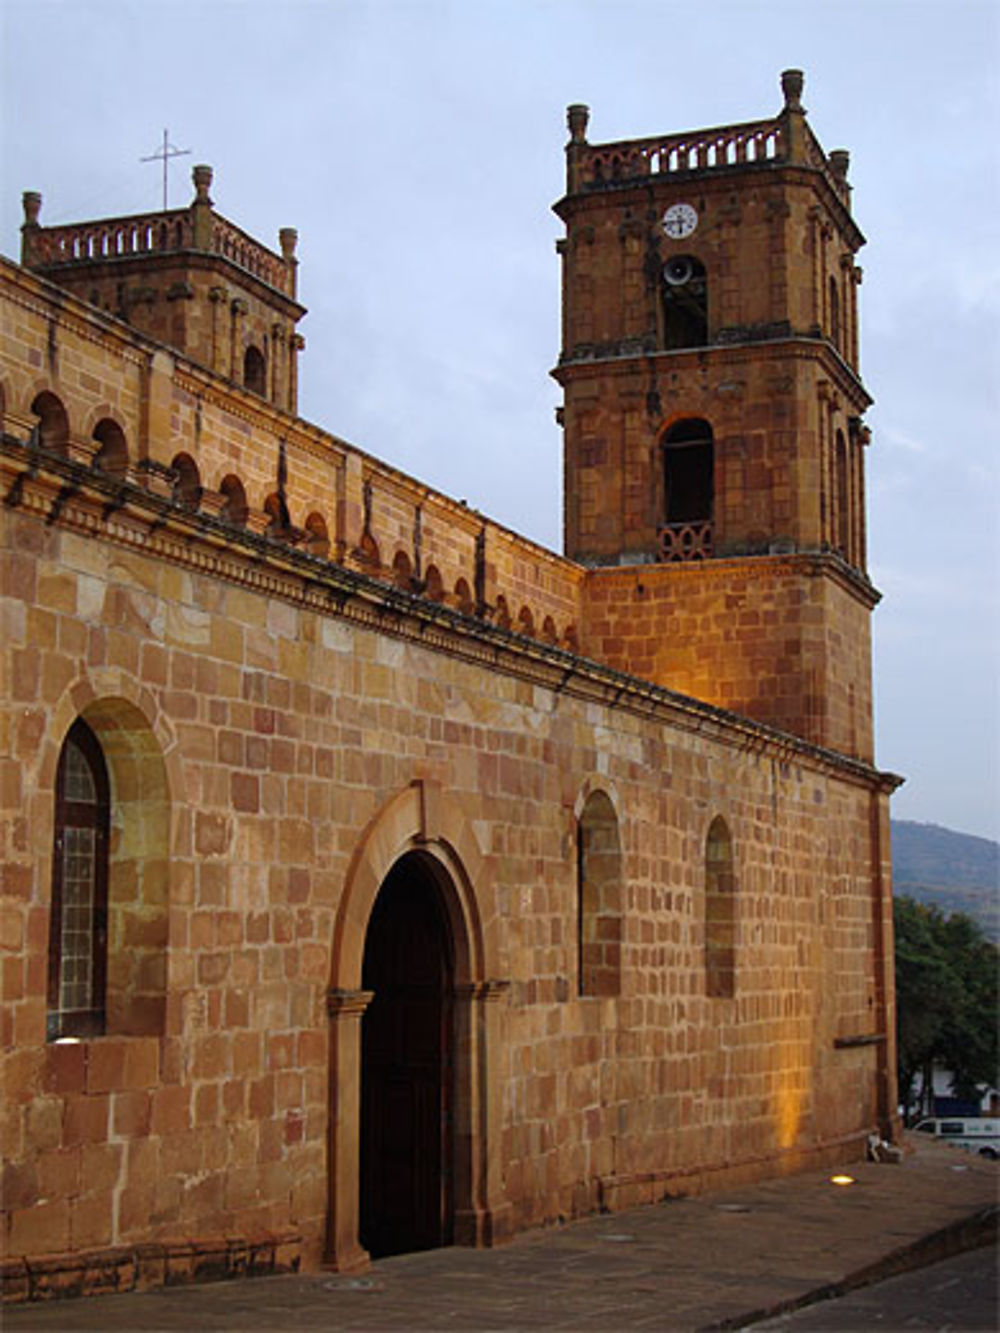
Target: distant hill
[953, 871]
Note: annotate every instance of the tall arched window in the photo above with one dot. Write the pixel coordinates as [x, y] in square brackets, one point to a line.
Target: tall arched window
[685, 303]
[255, 370]
[78, 925]
[720, 912]
[688, 471]
[599, 898]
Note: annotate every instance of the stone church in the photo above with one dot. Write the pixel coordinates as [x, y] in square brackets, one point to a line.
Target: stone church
[374, 878]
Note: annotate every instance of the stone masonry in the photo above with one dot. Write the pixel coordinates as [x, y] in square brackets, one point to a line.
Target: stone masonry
[605, 772]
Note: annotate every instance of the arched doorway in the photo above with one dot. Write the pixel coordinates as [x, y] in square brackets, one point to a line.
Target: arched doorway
[406, 1147]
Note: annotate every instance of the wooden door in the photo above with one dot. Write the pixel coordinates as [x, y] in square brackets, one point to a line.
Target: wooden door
[405, 1076]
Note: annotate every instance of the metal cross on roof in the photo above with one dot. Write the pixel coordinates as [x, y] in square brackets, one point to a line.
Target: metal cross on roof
[166, 152]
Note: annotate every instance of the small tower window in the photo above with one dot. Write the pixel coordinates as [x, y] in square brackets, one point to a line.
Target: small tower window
[843, 497]
[685, 303]
[834, 313]
[688, 472]
[255, 370]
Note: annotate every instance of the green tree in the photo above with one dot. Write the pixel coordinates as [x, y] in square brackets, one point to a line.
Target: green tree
[946, 1000]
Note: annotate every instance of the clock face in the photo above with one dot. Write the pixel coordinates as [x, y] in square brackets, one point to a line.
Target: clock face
[679, 221]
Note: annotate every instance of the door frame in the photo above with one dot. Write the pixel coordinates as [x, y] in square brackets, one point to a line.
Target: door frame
[421, 818]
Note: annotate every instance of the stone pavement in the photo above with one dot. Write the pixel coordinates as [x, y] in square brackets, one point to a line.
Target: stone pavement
[722, 1260]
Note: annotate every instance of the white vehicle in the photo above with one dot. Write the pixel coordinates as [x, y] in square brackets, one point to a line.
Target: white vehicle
[978, 1133]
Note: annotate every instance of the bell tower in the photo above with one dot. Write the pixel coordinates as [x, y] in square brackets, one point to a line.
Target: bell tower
[189, 278]
[713, 407]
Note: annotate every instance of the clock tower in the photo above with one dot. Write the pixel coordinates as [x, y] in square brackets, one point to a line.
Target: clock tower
[713, 415]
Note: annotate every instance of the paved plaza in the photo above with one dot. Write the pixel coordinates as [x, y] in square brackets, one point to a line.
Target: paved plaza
[718, 1261]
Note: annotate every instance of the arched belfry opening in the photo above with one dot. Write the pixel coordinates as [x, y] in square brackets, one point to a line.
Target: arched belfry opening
[407, 1037]
[685, 303]
[688, 468]
[688, 490]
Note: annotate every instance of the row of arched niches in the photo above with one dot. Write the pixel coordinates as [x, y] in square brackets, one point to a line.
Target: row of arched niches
[108, 454]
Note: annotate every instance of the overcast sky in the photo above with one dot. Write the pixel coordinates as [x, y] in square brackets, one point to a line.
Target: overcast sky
[417, 146]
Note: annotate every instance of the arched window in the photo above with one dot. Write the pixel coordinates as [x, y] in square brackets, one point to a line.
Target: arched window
[685, 303]
[503, 613]
[255, 370]
[526, 622]
[112, 456]
[720, 912]
[317, 536]
[187, 481]
[279, 527]
[78, 924]
[53, 425]
[434, 584]
[463, 598]
[549, 634]
[599, 898]
[688, 472]
[235, 508]
[402, 571]
[368, 554]
[843, 496]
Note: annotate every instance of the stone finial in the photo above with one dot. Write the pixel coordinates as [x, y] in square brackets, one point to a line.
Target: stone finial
[577, 117]
[202, 177]
[32, 203]
[840, 161]
[792, 81]
[288, 238]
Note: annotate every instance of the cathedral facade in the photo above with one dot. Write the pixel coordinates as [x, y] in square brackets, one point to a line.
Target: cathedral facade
[374, 878]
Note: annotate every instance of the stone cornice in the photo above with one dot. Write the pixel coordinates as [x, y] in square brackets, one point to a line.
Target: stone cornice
[813, 563]
[611, 193]
[154, 261]
[631, 359]
[56, 490]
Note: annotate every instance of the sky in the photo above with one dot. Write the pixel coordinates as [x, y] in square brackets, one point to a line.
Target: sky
[417, 145]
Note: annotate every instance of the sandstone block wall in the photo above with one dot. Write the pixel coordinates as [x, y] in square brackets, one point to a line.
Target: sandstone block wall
[283, 719]
[779, 640]
[281, 732]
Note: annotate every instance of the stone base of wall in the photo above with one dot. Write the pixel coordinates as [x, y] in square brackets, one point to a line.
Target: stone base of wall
[166, 1263]
[620, 1192]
